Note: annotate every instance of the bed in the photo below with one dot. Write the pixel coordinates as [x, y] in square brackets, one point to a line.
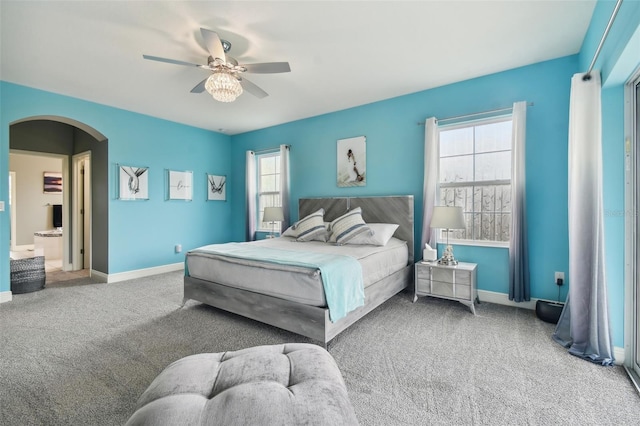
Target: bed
[306, 313]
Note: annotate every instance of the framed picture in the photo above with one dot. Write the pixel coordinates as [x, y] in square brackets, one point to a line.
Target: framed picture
[133, 183]
[180, 185]
[216, 188]
[52, 183]
[352, 162]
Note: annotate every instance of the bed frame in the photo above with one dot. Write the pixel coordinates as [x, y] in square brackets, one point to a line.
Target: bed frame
[312, 321]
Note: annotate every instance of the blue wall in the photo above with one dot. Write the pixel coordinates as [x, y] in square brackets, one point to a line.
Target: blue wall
[618, 59]
[142, 234]
[395, 151]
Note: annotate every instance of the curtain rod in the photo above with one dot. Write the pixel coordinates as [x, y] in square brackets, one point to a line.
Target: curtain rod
[587, 75]
[263, 151]
[493, 111]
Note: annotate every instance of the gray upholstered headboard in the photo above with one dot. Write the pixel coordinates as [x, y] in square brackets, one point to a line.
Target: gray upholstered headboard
[386, 209]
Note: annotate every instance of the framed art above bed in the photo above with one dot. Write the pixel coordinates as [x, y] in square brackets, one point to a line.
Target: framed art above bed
[352, 161]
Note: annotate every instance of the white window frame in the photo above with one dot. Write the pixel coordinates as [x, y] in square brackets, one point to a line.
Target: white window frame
[465, 124]
[259, 193]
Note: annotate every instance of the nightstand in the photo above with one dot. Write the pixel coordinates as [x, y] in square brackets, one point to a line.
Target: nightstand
[448, 282]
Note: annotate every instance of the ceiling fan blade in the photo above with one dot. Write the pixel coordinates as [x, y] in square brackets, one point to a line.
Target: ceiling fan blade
[170, 61]
[213, 43]
[252, 88]
[268, 67]
[199, 88]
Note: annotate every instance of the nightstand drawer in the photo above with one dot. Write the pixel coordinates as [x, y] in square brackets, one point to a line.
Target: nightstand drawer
[450, 290]
[451, 276]
[423, 286]
[423, 272]
[442, 275]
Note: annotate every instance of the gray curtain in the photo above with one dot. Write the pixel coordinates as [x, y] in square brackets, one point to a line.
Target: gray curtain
[584, 323]
[430, 184]
[519, 290]
[251, 195]
[285, 187]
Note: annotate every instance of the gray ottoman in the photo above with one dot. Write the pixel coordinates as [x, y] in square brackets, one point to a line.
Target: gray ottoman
[291, 384]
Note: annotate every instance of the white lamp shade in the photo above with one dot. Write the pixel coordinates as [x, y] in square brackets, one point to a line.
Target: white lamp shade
[273, 214]
[447, 218]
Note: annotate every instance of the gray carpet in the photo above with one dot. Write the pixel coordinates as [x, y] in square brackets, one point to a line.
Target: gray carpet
[81, 354]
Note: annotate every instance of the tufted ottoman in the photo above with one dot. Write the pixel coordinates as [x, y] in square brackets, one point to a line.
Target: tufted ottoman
[291, 384]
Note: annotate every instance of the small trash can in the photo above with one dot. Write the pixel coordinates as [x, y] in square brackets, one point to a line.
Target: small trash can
[549, 311]
[27, 274]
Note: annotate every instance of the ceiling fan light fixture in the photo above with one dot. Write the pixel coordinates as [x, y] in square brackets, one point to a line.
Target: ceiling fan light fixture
[223, 86]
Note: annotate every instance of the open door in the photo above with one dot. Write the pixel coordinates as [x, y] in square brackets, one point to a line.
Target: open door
[81, 211]
[12, 210]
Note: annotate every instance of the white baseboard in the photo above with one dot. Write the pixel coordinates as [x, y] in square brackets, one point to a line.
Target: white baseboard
[138, 273]
[101, 276]
[503, 299]
[6, 296]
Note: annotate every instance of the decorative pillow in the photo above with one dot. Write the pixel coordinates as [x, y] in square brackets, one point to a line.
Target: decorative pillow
[381, 233]
[310, 227]
[348, 226]
[289, 232]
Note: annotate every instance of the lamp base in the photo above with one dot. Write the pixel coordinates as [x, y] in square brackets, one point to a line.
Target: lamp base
[447, 257]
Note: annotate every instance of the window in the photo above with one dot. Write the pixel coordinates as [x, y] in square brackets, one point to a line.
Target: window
[268, 185]
[475, 174]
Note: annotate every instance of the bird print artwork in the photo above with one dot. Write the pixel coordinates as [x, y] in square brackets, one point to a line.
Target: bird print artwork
[216, 187]
[352, 162]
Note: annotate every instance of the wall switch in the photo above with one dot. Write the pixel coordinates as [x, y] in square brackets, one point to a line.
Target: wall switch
[178, 248]
[559, 275]
[1, 206]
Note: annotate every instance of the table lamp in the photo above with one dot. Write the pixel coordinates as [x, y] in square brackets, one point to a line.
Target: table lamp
[273, 215]
[447, 218]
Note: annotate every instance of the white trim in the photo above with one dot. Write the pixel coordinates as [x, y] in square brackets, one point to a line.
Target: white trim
[631, 236]
[6, 296]
[477, 243]
[503, 299]
[82, 181]
[619, 355]
[12, 211]
[139, 273]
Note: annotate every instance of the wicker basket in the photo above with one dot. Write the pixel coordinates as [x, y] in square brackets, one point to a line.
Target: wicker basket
[27, 274]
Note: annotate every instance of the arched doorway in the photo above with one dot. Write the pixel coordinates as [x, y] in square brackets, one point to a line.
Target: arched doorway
[82, 149]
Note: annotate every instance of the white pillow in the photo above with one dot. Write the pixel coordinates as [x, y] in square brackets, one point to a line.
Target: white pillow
[309, 228]
[348, 226]
[381, 234]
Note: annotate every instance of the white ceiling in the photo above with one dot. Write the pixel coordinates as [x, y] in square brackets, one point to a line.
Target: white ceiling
[342, 54]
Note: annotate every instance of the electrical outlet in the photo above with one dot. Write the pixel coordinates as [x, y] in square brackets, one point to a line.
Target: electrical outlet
[1, 206]
[559, 275]
[178, 248]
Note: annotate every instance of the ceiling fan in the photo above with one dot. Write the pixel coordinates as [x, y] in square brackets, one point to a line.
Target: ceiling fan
[226, 82]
